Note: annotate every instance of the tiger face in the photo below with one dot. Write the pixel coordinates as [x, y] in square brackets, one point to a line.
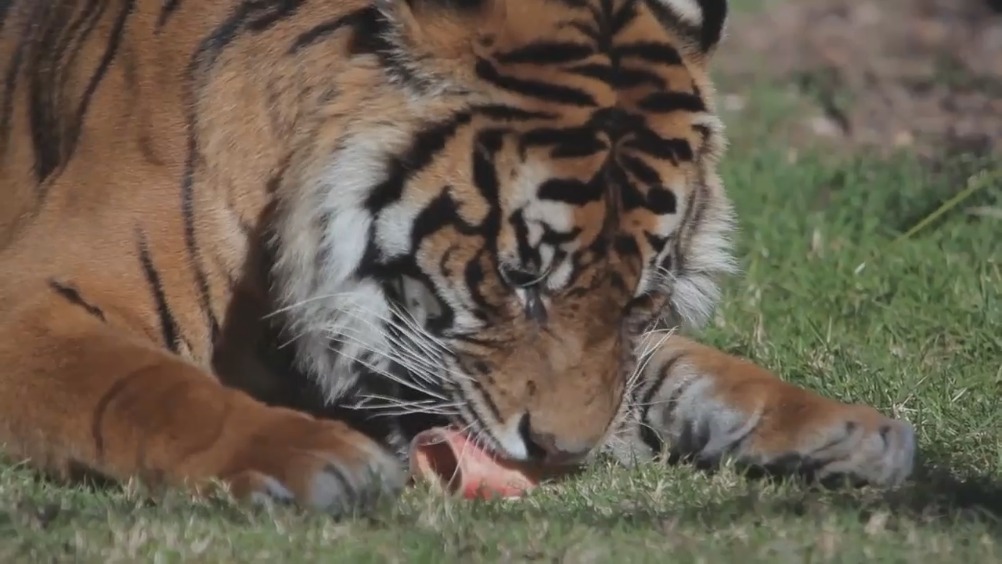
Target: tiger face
[546, 203]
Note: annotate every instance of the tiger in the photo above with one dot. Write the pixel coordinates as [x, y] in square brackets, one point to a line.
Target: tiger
[500, 215]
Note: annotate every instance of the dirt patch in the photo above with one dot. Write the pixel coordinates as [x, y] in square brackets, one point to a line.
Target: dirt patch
[925, 75]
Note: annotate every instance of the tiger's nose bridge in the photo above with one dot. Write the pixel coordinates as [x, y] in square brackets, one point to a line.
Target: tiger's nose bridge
[564, 396]
[551, 356]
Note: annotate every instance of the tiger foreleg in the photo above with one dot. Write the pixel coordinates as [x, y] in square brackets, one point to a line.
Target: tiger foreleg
[706, 405]
[79, 392]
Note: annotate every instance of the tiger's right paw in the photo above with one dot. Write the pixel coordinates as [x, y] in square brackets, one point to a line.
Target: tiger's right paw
[325, 465]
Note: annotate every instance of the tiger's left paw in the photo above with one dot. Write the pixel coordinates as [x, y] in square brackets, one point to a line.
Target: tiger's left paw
[845, 441]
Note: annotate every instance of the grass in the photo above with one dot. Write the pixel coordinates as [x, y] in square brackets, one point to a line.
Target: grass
[832, 297]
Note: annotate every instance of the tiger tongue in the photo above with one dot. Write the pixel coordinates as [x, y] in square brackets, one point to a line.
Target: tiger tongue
[448, 459]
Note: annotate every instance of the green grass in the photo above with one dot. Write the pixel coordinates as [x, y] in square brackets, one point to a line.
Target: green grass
[828, 298]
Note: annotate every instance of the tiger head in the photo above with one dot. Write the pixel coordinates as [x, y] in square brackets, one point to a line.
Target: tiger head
[528, 193]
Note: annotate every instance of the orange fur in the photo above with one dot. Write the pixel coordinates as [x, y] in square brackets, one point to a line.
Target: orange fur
[180, 180]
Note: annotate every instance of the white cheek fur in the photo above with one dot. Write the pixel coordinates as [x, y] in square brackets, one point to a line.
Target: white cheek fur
[315, 267]
[688, 11]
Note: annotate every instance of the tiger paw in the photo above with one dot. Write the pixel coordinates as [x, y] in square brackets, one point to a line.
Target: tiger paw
[325, 465]
[835, 442]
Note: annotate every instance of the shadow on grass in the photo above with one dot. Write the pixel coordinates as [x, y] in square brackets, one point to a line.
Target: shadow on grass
[932, 492]
[933, 500]
[933, 495]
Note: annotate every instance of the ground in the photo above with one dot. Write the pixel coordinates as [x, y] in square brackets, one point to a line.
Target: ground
[866, 165]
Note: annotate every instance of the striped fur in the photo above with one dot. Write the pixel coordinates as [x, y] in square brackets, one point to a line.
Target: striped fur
[485, 212]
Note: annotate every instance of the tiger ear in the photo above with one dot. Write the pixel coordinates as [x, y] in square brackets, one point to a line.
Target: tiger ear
[699, 23]
[440, 27]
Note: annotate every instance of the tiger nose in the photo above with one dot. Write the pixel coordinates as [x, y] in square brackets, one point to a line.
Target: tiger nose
[550, 448]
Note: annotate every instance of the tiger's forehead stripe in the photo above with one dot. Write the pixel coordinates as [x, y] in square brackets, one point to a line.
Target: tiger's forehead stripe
[634, 87]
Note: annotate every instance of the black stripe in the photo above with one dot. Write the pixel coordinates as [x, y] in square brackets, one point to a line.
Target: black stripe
[567, 142]
[707, 33]
[191, 244]
[630, 197]
[425, 146]
[626, 245]
[73, 296]
[251, 15]
[533, 88]
[326, 29]
[699, 211]
[661, 201]
[631, 78]
[485, 178]
[486, 398]
[503, 112]
[685, 225]
[267, 14]
[598, 71]
[109, 55]
[664, 102]
[649, 142]
[647, 432]
[89, 16]
[570, 191]
[51, 149]
[166, 11]
[618, 77]
[168, 325]
[663, 53]
[547, 53]
[473, 277]
[370, 31]
[47, 83]
[640, 170]
[201, 61]
[695, 210]
[664, 372]
[477, 423]
[714, 17]
[619, 20]
[671, 19]
[529, 256]
[658, 244]
[43, 114]
[575, 3]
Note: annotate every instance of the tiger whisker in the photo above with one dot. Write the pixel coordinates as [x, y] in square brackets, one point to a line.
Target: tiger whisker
[389, 375]
[411, 341]
[365, 402]
[402, 355]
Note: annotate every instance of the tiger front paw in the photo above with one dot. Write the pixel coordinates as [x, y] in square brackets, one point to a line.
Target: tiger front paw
[325, 465]
[828, 442]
